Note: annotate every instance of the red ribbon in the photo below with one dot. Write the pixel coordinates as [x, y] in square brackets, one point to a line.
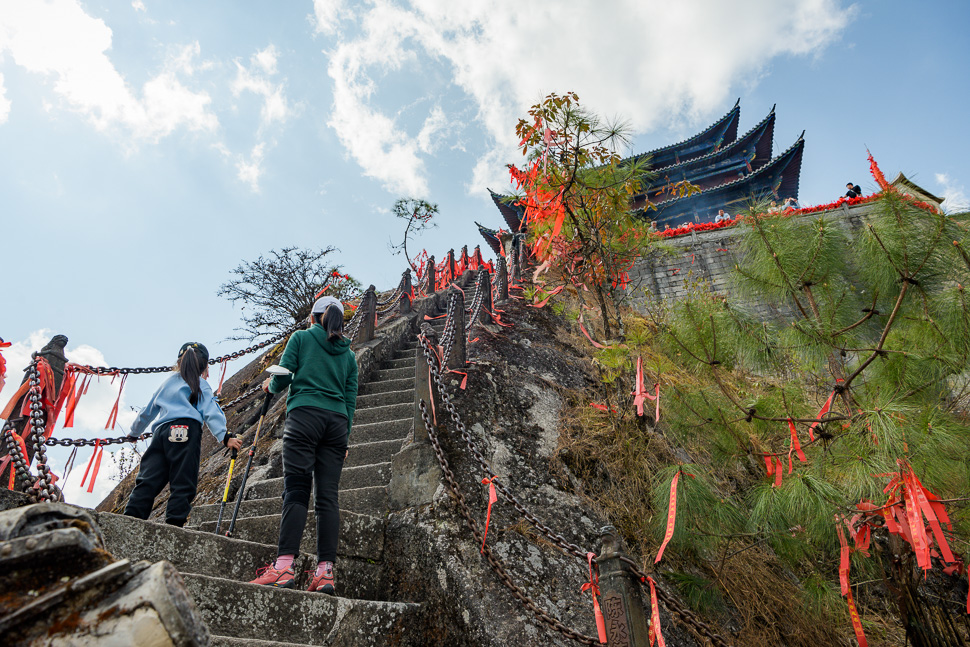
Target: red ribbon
[825, 409]
[843, 557]
[95, 460]
[655, 633]
[795, 445]
[856, 622]
[222, 377]
[671, 517]
[593, 587]
[492, 498]
[778, 470]
[113, 416]
[585, 332]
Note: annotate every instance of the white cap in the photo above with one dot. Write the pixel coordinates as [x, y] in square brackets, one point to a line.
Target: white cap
[320, 305]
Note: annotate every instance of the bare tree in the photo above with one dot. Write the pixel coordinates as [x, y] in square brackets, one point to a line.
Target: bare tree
[278, 290]
[418, 213]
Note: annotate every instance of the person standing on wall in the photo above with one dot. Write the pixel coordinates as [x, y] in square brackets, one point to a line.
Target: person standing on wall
[319, 415]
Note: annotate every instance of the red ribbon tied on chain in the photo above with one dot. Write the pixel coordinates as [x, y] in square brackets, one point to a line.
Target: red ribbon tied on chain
[655, 633]
[492, 498]
[94, 461]
[113, 416]
[222, 377]
[593, 587]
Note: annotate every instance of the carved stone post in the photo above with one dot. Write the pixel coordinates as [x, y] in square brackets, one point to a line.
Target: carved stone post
[623, 611]
[422, 384]
[451, 267]
[404, 303]
[368, 316]
[485, 280]
[430, 278]
[463, 261]
[501, 281]
[516, 270]
[456, 305]
[477, 259]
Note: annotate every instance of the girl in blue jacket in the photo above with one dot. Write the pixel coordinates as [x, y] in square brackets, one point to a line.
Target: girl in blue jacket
[181, 404]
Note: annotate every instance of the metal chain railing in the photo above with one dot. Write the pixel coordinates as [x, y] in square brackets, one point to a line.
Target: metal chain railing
[493, 561]
[478, 301]
[554, 537]
[398, 291]
[685, 615]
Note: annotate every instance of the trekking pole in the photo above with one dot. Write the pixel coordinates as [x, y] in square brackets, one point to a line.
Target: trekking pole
[225, 494]
[249, 465]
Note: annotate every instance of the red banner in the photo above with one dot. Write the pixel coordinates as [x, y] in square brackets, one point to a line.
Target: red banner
[671, 517]
[655, 633]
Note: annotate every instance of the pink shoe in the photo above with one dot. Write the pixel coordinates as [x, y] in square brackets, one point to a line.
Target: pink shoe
[322, 584]
[269, 576]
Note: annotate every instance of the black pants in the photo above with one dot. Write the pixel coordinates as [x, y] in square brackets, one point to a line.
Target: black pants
[172, 458]
[314, 446]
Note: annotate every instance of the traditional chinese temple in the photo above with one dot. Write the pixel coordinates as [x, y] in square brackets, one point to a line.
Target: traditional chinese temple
[731, 172]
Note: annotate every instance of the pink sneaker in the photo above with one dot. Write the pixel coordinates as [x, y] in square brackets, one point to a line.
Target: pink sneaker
[322, 584]
[269, 576]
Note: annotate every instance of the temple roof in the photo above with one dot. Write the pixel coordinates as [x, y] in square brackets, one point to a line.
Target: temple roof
[513, 214]
[906, 185]
[741, 157]
[779, 179]
[721, 132]
[491, 237]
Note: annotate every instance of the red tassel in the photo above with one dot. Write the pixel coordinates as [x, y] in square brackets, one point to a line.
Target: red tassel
[671, 517]
[492, 498]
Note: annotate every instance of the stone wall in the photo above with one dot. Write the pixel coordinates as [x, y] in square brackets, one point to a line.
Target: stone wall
[707, 258]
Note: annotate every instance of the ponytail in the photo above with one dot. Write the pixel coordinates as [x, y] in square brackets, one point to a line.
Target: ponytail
[332, 321]
[190, 368]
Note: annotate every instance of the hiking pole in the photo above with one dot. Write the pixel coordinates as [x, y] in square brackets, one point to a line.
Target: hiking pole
[225, 495]
[249, 465]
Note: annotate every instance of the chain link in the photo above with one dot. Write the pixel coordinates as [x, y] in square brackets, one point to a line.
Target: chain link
[478, 301]
[685, 615]
[493, 561]
[552, 536]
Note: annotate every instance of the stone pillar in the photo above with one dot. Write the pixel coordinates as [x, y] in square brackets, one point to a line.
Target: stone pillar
[464, 258]
[501, 281]
[477, 257]
[368, 316]
[431, 282]
[516, 270]
[485, 285]
[451, 268]
[422, 383]
[456, 304]
[404, 303]
[623, 610]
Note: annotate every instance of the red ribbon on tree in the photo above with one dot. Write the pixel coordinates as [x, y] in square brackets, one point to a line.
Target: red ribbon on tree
[593, 587]
[585, 332]
[795, 445]
[492, 498]
[641, 394]
[825, 409]
[856, 621]
[655, 633]
[671, 517]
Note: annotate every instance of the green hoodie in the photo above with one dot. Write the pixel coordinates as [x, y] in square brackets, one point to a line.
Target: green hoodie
[323, 373]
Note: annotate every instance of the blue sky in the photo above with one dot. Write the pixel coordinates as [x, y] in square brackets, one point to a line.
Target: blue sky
[146, 148]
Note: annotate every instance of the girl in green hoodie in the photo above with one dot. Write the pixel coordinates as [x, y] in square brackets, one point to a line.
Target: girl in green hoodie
[319, 414]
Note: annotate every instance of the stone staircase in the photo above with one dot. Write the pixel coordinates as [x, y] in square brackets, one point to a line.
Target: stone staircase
[216, 569]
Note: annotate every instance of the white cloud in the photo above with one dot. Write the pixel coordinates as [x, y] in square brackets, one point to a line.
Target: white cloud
[89, 419]
[956, 200]
[644, 60]
[58, 40]
[255, 79]
[4, 102]
[138, 5]
[249, 171]
[326, 15]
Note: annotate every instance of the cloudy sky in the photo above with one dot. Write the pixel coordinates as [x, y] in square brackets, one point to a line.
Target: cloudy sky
[147, 147]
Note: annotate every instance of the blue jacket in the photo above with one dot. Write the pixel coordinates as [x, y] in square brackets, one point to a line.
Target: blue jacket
[171, 401]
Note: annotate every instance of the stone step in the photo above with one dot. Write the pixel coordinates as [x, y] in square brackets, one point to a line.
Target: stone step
[350, 478]
[255, 612]
[189, 550]
[364, 500]
[399, 363]
[361, 535]
[385, 398]
[384, 413]
[387, 385]
[229, 641]
[394, 374]
[378, 451]
[375, 431]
